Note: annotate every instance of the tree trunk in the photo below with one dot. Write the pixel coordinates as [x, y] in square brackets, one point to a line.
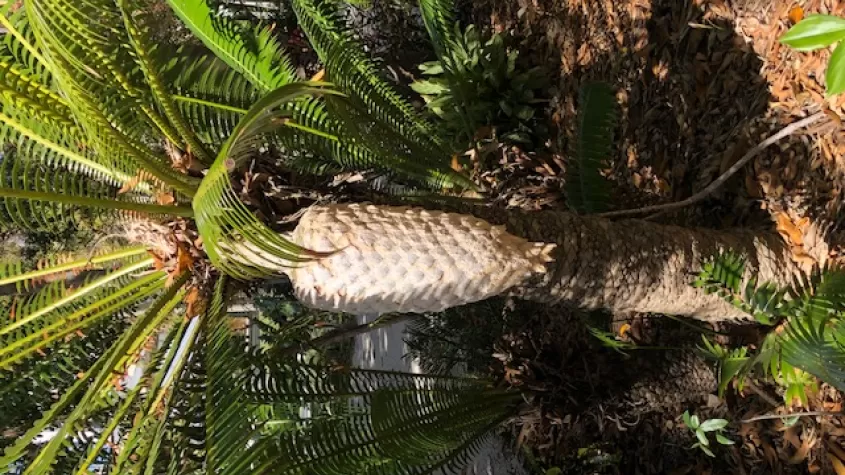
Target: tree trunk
[399, 259]
[635, 265]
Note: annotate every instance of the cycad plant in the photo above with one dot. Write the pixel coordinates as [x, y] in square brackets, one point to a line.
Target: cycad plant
[167, 143]
[124, 358]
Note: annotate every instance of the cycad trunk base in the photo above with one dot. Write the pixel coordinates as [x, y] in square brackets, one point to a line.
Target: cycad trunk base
[392, 259]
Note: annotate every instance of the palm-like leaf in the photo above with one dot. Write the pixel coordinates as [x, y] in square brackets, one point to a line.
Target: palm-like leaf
[811, 310]
[586, 189]
[89, 108]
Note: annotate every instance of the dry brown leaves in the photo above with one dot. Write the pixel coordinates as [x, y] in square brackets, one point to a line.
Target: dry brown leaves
[796, 85]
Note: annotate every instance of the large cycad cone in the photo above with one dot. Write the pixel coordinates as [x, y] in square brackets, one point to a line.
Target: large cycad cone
[400, 259]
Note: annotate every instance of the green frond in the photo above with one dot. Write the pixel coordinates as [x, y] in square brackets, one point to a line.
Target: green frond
[47, 142]
[19, 44]
[39, 196]
[253, 52]
[814, 336]
[210, 95]
[229, 419]
[817, 346]
[394, 423]
[439, 18]
[90, 55]
[735, 363]
[154, 372]
[356, 76]
[237, 242]
[56, 312]
[12, 273]
[123, 349]
[144, 51]
[143, 444]
[30, 390]
[586, 189]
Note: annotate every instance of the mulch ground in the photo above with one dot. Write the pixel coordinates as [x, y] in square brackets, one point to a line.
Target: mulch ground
[699, 84]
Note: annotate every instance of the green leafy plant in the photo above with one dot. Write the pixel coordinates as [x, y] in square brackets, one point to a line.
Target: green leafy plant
[126, 357]
[477, 82]
[703, 429]
[809, 313]
[821, 31]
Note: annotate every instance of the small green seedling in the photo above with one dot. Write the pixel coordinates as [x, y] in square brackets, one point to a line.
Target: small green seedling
[702, 428]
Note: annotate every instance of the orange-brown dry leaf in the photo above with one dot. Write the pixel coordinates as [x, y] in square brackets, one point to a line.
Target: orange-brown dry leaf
[165, 199]
[184, 263]
[789, 230]
[130, 185]
[796, 14]
[456, 165]
[800, 256]
[319, 75]
[158, 262]
[801, 454]
[194, 302]
[837, 464]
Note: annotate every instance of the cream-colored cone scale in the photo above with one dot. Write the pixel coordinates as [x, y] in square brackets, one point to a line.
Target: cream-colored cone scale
[402, 259]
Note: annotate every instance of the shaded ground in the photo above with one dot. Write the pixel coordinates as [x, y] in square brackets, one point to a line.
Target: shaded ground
[700, 83]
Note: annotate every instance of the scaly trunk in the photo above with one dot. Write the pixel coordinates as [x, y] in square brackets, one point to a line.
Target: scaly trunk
[399, 259]
[640, 266]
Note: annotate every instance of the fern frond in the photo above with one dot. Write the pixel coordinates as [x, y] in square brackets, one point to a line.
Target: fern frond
[586, 189]
[143, 443]
[154, 372]
[252, 52]
[210, 95]
[13, 274]
[30, 390]
[54, 312]
[229, 418]
[395, 423]
[817, 346]
[90, 57]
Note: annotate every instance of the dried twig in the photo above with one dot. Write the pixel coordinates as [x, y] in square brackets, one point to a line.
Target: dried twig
[750, 385]
[786, 131]
[794, 414]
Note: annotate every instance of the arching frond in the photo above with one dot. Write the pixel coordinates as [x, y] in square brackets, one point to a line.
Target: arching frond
[811, 310]
[356, 76]
[12, 274]
[52, 313]
[39, 196]
[210, 95]
[90, 55]
[254, 53]
[144, 51]
[30, 390]
[237, 242]
[144, 442]
[439, 18]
